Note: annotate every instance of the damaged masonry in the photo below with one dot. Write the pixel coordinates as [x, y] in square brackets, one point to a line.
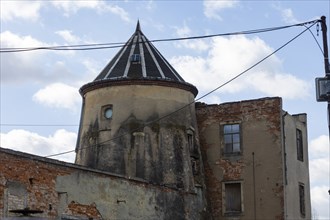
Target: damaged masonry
[241, 160]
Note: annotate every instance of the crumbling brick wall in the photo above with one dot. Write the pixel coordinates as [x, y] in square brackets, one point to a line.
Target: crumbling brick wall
[60, 189]
[261, 153]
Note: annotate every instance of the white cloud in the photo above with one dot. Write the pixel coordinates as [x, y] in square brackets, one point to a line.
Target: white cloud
[320, 201]
[150, 5]
[34, 66]
[27, 10]
[319, 171]
[29, 142]
[93, 68]
[196, 44]
[30, 10]
[71, 7]
[212, 8]
[28, 61]
[58, 95]
[288, 17]
[230, 56]
[319, 147]
[319, 175]
[68, 36]
[119, 11]
[287, 14]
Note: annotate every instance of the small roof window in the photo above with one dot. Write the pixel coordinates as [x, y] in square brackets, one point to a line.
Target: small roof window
[135, 58]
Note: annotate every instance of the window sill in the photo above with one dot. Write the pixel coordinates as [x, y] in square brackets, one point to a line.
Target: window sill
[232, 155]
[233, 213]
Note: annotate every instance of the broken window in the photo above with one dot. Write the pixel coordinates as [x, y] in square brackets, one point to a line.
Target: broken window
[302, 199]
[232, 140]
[233, 198]
[300, 149]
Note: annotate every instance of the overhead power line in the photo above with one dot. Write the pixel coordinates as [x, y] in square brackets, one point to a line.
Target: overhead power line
[121, 44]
[38, 125]
[203, 96]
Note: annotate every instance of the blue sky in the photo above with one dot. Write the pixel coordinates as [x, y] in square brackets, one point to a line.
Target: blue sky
[41, 87]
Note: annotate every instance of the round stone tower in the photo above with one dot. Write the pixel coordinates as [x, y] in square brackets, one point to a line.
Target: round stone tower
[138, 119]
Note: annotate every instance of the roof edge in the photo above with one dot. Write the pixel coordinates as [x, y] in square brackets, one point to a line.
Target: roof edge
[145, 81]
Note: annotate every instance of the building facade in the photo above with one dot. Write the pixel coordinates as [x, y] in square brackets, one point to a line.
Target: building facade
[146, 150]
[255, 159]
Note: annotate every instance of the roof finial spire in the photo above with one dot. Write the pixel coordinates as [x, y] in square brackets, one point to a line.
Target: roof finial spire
[138, 28]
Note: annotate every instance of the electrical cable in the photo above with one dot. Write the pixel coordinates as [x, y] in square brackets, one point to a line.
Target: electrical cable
[203, 96]
[116, 45]
[171, 39]
[316, 41]
[39, 125]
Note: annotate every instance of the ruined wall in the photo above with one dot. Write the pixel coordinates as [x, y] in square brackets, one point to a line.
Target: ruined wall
[258, 168]
[134, 142]
[61, 189]
[297, 169]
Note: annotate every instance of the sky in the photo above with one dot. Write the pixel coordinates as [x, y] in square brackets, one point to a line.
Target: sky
[39, 95]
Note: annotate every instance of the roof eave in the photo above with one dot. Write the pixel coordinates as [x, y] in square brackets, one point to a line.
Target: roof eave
[144, 81]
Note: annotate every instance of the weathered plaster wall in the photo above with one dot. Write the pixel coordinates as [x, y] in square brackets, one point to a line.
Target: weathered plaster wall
[63, 189]
[134, 142]
[261, 151]
[297, 171]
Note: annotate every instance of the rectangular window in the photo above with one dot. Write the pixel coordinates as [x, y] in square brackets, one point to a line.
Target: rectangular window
[233, 198]
[190, 142]
[302, 199]
[135, 58]
[232, 138]
[300, 149]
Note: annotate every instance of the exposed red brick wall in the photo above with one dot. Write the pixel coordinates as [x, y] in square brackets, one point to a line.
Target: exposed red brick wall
[267, 110]
[39, 179]
[48, 185]
[77, 209]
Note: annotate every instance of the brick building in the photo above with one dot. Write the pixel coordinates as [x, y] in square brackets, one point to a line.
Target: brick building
[255, 160]
[145, 150]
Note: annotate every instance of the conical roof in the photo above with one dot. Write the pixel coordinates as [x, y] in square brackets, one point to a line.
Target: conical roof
[139, 60]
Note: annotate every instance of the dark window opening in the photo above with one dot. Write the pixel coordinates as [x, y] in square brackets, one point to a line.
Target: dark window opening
[300, 149]
[302, 199]
[233, 199]
[190, 142]
[135, 58]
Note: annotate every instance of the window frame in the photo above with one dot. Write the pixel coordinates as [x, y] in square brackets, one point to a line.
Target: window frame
[226, 212]
[103, 112]
[223, 142]
[135, 58]
[300, 145]
[190, 140]
[302, 199]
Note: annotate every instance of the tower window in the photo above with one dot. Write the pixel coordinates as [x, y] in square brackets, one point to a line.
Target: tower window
[107, 111]
[135, 58]
[190, 139]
